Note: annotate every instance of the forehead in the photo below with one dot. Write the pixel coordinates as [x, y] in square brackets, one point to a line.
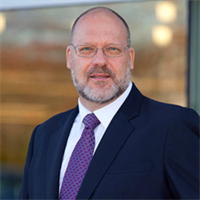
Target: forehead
[100, 25]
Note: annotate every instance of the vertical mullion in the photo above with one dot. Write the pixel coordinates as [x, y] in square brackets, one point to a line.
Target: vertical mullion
[194, 56]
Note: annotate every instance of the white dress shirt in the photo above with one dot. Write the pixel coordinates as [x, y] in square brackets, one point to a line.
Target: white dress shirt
[104, 115]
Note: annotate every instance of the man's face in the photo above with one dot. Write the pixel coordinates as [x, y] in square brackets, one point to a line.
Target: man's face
[100, 79]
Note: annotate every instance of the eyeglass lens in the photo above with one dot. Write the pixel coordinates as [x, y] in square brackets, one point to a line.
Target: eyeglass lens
[90, 51]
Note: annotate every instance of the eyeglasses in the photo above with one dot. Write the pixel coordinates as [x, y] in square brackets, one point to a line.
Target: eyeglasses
[88, 51]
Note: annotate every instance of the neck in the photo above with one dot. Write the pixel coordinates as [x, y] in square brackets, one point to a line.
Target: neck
[92, 106]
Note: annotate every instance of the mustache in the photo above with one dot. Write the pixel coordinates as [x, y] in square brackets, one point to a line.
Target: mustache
[101, 70]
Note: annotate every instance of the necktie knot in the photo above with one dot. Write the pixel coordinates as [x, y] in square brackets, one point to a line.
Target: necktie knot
[91, 121]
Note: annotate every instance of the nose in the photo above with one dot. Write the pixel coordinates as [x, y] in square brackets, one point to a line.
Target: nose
[100, 59]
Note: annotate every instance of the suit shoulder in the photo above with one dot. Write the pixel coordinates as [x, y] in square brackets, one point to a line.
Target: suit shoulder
[60, 117]
[44, 131]
[151, 103]
[169, 117]
[55, 122]
[167, 110]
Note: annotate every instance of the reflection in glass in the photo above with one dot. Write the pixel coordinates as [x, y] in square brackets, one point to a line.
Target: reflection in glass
[162, 35]
[35, 83]
[2, 22]
[166, 11]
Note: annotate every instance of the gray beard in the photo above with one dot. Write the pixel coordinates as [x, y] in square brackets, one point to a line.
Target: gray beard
[102, 95]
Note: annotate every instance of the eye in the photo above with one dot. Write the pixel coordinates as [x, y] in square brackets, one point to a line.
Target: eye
[113, 49]
[85, 49]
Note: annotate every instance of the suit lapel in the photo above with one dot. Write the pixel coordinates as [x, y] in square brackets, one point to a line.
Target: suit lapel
[108, 148]
[55, 153]
[115, 136]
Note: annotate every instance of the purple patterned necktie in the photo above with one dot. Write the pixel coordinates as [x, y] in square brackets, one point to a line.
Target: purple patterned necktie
[80, 159]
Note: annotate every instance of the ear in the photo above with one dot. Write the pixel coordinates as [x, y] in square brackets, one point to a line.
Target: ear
[68, 55]
[131, 57]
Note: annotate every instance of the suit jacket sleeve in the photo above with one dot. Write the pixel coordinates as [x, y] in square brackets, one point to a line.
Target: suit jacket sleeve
[25, 186]
[182, 155]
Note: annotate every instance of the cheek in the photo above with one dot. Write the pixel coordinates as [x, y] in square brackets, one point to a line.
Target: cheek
[82, 64]
[119, 67]
[75, 65]
[79, 70]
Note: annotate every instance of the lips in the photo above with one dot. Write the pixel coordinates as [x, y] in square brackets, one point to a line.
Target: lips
[100, 73]
[100, 76]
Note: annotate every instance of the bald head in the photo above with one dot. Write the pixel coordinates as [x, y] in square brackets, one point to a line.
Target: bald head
[100, 11]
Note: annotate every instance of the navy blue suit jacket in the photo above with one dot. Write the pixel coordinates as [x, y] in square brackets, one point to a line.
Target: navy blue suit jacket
[150, 150]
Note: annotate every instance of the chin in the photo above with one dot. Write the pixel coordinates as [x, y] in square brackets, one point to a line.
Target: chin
[100, 95]
[101, 85]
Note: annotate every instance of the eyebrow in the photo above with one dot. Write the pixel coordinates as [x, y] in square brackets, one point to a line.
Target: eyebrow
[87, 43]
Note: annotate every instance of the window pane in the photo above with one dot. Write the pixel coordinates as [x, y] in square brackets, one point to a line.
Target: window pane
[35, 83]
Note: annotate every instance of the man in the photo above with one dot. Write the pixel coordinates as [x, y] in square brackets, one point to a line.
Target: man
[137, 149]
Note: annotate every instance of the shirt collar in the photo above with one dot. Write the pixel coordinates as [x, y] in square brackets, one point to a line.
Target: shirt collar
[110, 110]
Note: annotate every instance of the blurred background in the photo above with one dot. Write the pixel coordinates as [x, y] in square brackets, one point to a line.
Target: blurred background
[35, 83]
